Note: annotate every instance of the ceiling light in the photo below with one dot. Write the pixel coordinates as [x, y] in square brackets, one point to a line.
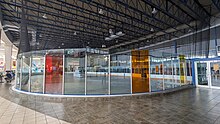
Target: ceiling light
[103, 46]
[101, 11]
[120, 33]
[74, 33]
[110, 31]
[62, 44]
[114, 36]
[44, 16]
[108, 38]
[58, 46]
[154, 11]
[152, 29]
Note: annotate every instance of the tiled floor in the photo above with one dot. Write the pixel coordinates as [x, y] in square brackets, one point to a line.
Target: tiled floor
[192, 106]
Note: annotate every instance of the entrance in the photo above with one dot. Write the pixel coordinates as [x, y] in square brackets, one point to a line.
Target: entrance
[207, 74]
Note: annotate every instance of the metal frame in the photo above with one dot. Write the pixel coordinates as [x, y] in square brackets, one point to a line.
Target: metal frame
[134, 18]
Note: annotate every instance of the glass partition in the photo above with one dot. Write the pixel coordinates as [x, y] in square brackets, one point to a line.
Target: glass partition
[156, 74]
[54, 72]
[18, 76]
[97, 74]
[168, 76]
[120, 74]
[37, 72]
[25, 69]
[140, 71]
[74, 71]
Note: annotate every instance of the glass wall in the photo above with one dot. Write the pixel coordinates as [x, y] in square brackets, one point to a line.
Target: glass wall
[97, 74]
[140, 71]
[37, 72]
[54, 72]
[18, 76]
[25, 71]
[120, 74]
[83, 72]
[74, 71]
[156, 73]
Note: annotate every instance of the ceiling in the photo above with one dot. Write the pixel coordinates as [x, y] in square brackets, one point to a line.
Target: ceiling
[126, 24]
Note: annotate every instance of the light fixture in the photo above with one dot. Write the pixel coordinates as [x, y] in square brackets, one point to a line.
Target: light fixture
[58, 46]
[108, 39]
[114, 36]
[62, 44]
[101, 11]
[103, 46]
[147, 40]
[110, 31]
[120, 33]
[74, 33]
[44, 16]
[154, 11]
[152, 29]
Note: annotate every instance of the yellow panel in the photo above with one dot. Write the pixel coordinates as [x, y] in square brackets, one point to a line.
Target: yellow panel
[140, 71]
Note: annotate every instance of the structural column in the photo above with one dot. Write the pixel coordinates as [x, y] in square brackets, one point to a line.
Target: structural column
[8, 56]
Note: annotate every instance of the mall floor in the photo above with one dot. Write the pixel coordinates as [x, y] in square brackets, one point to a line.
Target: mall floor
[191, 106]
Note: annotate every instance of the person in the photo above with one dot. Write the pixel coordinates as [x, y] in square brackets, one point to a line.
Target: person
[1, 75]
[8, 76]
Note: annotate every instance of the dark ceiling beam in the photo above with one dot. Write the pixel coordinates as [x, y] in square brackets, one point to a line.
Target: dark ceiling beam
[217, 4]
[100, 24]
[108, 17]
[94, 3]
[200, 12]
[166, 7]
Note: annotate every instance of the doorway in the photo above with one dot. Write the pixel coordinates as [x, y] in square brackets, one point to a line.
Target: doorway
[207, 74]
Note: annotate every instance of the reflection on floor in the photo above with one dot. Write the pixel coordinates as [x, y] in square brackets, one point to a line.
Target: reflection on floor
[192, 106]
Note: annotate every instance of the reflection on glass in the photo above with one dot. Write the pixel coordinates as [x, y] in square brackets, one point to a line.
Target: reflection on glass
[74, 71]
[202, 77]
[168, 78]
[25, 72]
[120, 74]
[54, 72]
[156, 76]
[215, 74]
[37, 72]
[97, 74]
[18, 72]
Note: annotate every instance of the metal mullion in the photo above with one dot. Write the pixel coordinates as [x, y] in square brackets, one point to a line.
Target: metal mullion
[86, 72]
[109, 75]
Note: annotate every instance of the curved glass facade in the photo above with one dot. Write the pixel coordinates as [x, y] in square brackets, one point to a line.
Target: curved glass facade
[94, 72]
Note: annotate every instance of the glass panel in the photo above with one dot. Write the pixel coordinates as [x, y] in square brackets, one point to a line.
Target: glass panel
[18, 71]
[176, 72]
[140, 71]
[54, 72]
[156, 76]
[37, 72]
[25, 71]
[120, 74]
[215, 75]
[168, 77]
[202, 74]
[74, 71]
[97, 74]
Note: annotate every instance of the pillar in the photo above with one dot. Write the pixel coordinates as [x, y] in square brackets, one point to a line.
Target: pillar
[8, 56]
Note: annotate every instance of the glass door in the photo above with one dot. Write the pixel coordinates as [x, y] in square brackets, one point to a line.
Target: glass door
[215, 75]
[202, 74]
